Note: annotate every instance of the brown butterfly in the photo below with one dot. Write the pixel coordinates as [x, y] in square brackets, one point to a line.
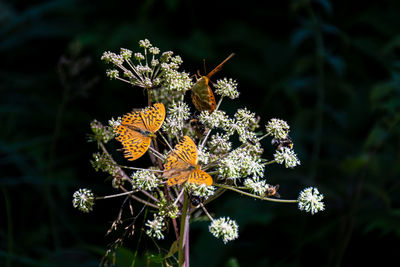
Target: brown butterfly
[202, 95]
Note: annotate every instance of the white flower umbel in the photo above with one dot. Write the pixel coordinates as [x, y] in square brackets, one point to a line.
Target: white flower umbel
[310, 200]
[83, 200]
[224, 228]
[288, 156]
[200, 190]
[246, 119]
[277, 128]
[256, 186]
[217, 119]
[145, 180]
[178, 113]
[155, 227]
[219, 144]
[239, 163]
[160, 75]
[227, 88]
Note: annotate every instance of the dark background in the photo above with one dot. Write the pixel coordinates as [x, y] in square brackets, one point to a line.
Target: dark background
[330, 69]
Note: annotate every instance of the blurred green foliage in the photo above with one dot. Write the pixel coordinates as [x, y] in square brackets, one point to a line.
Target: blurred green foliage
[331, 69]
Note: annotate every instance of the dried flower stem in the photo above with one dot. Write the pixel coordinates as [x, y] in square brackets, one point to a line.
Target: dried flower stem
[117, 195]
[139, 199]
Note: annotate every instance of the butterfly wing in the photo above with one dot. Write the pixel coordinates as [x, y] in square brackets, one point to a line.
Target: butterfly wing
[178, 177]
[199, 177]
[129, 123]
[136, 146]
[183, 156]
[202, 95]
[132, 130]
[153, 117]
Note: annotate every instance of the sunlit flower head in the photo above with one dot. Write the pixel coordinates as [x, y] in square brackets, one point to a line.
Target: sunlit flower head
[277, 128]
[224, 228]
[287, 156]
[145, 180]
[155, 227]
[83, 199]
[310, 200]
[227, 88]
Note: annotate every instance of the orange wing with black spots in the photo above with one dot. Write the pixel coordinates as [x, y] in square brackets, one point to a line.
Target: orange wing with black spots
[137, 128]
[181, 165]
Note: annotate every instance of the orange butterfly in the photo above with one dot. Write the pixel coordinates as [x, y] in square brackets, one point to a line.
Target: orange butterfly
[181, 165]
[137, 128]
[202, 95]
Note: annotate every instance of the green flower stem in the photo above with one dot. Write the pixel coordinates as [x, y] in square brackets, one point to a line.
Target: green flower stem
[262, 137]
[255, 196]
[184, 224]
[269, 162]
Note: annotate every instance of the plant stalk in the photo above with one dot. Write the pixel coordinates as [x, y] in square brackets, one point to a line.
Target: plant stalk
[184, 261]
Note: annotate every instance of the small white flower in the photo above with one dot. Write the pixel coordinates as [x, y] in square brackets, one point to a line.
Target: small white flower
[126, 53]
[224, 228]
[114, 123]
[277, 128]
[155, 227]
[310, 200]
[176, 81]
[145, 180]
[203, 155]
[139, 56]
[227, 88]
[217, 119]
[219, 144]
[112, 74]
[154, 50]
[83, 199]
[178, 113]
[288, 156]
[246, 119]
[239, 164]
[256, 186]
[145, 43]
[200, 190]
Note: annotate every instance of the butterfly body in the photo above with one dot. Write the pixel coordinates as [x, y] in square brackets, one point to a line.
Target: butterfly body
[137, 128]
[181, 165]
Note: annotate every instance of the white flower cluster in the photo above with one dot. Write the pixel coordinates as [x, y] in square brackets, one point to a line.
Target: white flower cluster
[155, 227]
[83, 199]
[277, 128]
[200, 190]
[287, 156]
[219, 144]
[310, 200]
[178, 113]
[256, 186]
[227, 88]
[144, 180]
[150, 72]
[240, 163]
[224, 228]
[216, 119]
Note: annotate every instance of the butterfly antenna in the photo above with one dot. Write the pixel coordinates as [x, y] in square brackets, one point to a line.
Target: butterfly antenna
[204, 66]
[218, 68]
